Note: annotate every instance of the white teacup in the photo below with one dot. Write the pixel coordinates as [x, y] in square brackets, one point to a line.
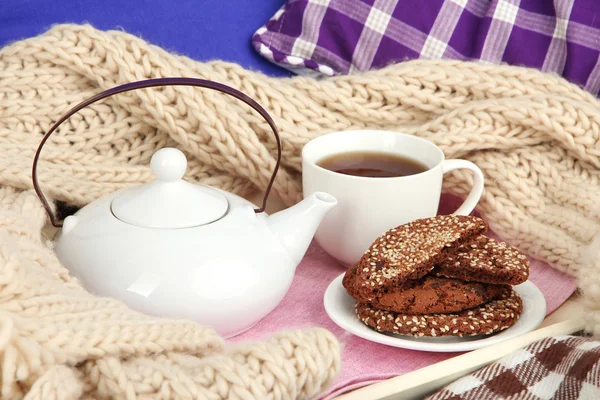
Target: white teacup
[368, 206]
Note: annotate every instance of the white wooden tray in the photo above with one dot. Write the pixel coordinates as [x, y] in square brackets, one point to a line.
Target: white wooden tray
[566, 320]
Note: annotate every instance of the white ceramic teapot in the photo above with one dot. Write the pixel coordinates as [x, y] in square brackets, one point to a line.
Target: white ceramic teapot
[175, 249]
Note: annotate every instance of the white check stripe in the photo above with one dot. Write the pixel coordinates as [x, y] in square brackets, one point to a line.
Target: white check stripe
[501, 27]
[370, 37]
[546, 387]
[433, 48]
[437, 42]
[305, 44]
[589, 392]
[506, 11]
[557, 52]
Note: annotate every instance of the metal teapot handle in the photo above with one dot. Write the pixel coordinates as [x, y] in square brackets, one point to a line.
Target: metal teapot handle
[152, 83]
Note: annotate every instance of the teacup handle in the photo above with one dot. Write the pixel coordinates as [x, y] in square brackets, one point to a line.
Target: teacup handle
[474, 196]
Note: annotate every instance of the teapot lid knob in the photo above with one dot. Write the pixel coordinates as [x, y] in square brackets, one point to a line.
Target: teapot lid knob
[168, 201]
[168, 164]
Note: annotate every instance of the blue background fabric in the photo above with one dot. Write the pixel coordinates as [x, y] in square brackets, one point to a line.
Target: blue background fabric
[200, 29]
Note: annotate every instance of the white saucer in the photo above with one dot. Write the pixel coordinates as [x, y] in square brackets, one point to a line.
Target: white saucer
[340, 308]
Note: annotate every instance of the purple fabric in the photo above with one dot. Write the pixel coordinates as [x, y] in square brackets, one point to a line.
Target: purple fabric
[202, 30]
[333, 37]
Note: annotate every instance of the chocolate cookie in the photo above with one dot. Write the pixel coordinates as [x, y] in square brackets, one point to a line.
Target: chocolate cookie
[432, 294]
[409, 251]
[489, 318]
[486, 260]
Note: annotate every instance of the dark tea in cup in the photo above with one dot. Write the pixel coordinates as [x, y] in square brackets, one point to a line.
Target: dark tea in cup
[372, 164]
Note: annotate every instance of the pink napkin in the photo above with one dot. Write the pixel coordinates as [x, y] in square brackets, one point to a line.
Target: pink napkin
[303, 307]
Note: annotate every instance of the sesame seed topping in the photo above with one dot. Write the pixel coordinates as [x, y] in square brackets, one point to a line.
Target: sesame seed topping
[497, 261]
[398, 255]
[409, 250]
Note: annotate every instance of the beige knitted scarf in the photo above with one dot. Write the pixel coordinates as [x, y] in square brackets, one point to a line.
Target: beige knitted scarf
[535, 136]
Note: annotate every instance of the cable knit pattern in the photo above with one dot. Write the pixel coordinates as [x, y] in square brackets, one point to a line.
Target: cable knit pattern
[535, 136]
[57, 341]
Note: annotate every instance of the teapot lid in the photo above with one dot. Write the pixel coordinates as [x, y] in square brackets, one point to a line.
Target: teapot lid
[168, 201]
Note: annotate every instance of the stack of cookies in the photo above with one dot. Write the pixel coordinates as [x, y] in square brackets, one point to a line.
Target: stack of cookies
[438, 276]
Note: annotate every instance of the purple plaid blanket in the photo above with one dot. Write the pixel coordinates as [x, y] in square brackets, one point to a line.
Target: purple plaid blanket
[333, 37]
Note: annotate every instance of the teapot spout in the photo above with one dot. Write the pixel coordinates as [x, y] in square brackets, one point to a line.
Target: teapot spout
[295, 227]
